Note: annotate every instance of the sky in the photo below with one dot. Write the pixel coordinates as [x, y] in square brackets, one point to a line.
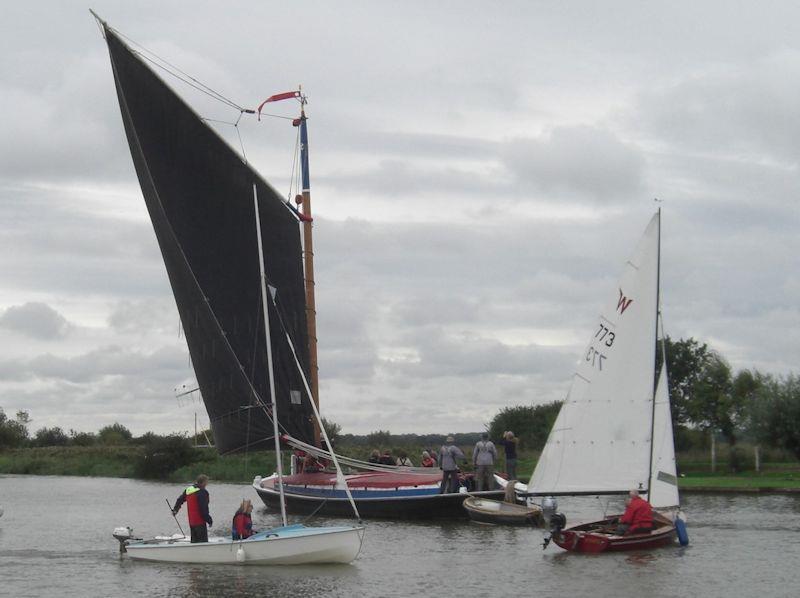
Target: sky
[480, 173]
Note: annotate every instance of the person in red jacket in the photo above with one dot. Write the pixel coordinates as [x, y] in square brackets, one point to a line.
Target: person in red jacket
[242, 526]
[638, 516]
[196, 499]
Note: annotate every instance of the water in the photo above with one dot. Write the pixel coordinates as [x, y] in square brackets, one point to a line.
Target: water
[55, 539]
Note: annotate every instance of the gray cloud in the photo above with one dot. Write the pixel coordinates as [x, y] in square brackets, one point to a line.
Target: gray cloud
[36, 320]
[590, 162]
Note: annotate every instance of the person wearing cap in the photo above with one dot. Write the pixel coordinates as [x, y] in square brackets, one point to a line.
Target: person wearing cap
[242, 526]
[448, 463]
[196, 498]
[483, 457]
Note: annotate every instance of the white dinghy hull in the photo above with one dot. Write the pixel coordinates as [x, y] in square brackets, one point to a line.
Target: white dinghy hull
[292, 545]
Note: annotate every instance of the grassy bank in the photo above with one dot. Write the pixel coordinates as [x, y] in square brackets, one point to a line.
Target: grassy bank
[121, 462]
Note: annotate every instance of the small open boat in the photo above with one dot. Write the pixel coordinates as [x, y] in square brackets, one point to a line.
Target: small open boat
[600, 536]
[287, 545]
[614, 432]
[495, 512]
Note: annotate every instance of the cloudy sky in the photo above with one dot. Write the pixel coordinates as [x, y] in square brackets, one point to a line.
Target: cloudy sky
[480, 172]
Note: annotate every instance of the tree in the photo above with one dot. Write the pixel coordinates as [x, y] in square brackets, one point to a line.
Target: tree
[114, 435]
[530, 423]
[333, 429]
[161, 455]
[81, 438]
[50, 437]
[379, 438]
[775, 412]
[686, 361]
[13, 432]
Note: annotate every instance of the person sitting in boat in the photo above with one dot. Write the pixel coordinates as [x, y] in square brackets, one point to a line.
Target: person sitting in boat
[375, 457]
[427, 460]
[386, 458]
[638, 516]
[242, 526]
[403, 460]
[196, 498]
[312, 465]
[448, 463]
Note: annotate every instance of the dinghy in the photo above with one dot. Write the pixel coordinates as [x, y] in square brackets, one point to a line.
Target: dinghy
[289, 545]
[495, 512]
[614, 433]
[189, 175]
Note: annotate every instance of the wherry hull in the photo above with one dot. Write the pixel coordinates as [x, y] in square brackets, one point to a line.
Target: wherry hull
[292, 545]
[397, 502]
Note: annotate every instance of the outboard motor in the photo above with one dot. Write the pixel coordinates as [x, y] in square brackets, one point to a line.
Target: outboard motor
[557, 522]
[123, 535]
[549, 508]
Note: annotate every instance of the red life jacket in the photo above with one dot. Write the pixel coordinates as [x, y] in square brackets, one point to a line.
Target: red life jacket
[193, 507]
[242, 526]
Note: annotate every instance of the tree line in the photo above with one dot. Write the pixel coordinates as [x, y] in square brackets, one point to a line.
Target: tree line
[708, 401]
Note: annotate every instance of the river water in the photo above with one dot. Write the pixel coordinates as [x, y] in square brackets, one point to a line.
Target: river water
[55, 540]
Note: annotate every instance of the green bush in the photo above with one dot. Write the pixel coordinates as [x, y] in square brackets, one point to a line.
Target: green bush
[162, 455]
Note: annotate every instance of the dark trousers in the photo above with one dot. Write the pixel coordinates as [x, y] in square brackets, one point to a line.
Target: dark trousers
[511, 468]
[199, 533]
[449, 481]
[623, 529]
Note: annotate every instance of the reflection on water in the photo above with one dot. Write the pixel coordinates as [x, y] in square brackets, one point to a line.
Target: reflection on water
[55, 539]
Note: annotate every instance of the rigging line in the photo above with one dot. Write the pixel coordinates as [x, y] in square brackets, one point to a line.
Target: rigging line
[208, 89]
[294, 165]
[241, 143]
[189, 83]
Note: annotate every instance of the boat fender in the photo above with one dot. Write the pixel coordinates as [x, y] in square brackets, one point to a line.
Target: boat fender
[240, 556]
[680, 528]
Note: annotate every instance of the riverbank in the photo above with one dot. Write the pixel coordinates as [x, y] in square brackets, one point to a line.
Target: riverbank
[120, 462]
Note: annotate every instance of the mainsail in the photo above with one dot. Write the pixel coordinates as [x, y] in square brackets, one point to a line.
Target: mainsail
[600, 441]
[199, 194]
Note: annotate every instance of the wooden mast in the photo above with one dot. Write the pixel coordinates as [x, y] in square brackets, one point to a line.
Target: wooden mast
[308, 259]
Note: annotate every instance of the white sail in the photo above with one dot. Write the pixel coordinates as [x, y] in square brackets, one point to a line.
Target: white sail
[664, 482]
[600, 441]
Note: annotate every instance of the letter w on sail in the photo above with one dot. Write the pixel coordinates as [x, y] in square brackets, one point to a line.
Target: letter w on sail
[623, 302]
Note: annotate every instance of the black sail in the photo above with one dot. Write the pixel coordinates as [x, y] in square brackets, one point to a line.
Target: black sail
[199, 194]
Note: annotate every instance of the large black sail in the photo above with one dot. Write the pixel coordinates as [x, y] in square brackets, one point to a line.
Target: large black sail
[199, 194]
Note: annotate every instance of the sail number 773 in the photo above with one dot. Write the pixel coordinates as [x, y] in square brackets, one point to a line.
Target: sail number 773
[603, 337]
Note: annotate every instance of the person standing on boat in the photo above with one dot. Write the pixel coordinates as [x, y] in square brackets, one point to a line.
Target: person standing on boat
[483, 457]
[509, 442]
[242, 526]
[638, 516]
[196, 498]
[448, 463]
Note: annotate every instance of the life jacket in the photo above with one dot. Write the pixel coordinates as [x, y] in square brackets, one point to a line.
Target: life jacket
[193, 506]
[242, 526]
